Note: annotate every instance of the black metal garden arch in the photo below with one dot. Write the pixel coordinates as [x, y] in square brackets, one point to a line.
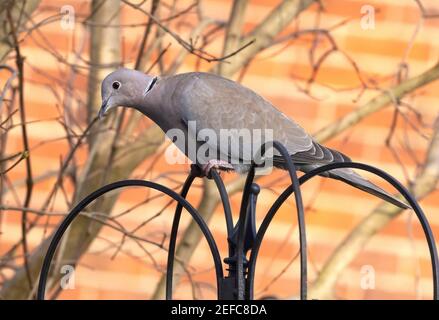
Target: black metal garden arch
[243, 237]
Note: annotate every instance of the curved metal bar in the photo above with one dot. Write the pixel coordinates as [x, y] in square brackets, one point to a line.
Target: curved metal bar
[225, 201]
[174, 232]
[113, 186]
[287, 192]
[300, 217]
[260, 236]
[175, 223]
[242, 222]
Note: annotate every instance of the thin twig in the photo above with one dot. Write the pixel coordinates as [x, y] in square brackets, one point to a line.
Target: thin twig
[29, 181]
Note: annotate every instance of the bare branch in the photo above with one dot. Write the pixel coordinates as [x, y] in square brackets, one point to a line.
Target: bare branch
[265, 33]
[381, 101]
[19, 10]
[29, 180]
[425, 183]
[234, 29]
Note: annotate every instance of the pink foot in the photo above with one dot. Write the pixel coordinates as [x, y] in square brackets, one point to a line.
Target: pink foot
[216, 164]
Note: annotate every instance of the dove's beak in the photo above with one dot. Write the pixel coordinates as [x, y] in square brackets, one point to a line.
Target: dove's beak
[103, 109]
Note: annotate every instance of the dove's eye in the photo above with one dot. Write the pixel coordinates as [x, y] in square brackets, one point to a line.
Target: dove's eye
[116, 85]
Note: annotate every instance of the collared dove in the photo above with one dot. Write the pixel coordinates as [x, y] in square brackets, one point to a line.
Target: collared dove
[215, 103]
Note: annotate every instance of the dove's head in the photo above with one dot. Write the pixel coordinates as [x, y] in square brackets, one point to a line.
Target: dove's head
[125, 87]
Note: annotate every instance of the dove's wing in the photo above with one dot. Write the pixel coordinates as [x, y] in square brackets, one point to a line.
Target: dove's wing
[217, 103]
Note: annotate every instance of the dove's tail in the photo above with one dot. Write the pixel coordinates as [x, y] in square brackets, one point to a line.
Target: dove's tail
[354, 179]
[346, 175]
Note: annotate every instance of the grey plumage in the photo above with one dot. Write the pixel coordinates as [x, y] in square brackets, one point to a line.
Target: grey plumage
[217, 103]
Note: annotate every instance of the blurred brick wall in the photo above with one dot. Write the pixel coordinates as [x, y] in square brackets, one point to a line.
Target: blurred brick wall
[401, 263]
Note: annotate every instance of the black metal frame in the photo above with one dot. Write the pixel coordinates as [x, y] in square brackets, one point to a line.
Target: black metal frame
[242, 237]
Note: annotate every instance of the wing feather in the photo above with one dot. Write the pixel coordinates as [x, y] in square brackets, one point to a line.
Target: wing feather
[217, 103]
